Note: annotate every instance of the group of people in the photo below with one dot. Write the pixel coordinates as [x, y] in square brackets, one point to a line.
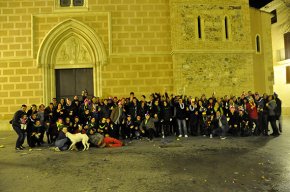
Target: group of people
[109, 121]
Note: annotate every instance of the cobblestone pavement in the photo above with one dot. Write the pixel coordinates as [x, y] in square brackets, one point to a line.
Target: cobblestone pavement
[197, 164]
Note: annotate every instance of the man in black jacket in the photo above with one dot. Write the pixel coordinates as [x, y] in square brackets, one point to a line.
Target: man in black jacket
[16, 124]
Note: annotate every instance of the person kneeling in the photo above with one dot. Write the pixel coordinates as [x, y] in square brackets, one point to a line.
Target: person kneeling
[61, 143]
[147, 126]
[220, 125]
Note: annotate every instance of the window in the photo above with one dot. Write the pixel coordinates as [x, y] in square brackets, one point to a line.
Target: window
[64, 3]
[71, 5]
[287, 74]
[199, 27]
[78, 2]
[226, 28]
[287, 45]
[258, 44]
[274, 16]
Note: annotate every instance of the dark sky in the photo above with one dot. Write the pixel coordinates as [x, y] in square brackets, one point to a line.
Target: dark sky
[259, 3]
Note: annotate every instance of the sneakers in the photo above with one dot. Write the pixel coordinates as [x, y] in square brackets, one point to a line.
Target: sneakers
[56, 149]
[18, 148]
[210, 136]
[180, 136]
[185, 135]
[163, 137]
[223, 138]
[280, 129]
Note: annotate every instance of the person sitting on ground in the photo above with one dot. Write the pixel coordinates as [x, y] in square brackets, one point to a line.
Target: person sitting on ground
[110, 128]
[138, 132]
[77, 126]
[34, 134]
[62, 142]
[102, 127]
[243, 123]
[128, 128]
[112, 142]
[233, 122]
[96, 139]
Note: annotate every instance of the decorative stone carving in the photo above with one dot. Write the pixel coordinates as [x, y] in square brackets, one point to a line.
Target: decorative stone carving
[73, 51]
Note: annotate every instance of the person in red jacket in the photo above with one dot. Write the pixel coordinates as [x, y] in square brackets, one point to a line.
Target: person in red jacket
[253, 115]
[112, 142]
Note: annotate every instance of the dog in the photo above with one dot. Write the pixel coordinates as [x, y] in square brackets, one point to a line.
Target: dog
[75, 138]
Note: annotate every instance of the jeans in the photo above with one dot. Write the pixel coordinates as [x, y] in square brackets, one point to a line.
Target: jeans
[21, 136]
[150, 133]
[182, 126]
[62, 144]
[272, 120]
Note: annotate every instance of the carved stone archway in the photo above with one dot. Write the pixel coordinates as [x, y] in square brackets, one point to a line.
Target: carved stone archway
[70, 44]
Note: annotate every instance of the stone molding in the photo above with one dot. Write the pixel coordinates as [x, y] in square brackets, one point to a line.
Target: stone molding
[206, 51]
[61, 36]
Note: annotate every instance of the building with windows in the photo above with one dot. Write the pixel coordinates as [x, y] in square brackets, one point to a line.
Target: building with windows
[281, 49]
[57, 48]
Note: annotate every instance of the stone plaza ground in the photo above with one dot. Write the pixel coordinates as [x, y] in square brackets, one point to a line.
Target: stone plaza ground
[197, 164]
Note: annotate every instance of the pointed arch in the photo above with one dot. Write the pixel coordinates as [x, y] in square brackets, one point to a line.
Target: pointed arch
[55, 38]
[58, 35]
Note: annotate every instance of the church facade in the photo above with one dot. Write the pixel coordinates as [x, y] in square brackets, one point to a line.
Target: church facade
[117, 46]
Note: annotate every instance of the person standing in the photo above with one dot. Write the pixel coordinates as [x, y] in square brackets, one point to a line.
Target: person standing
[181, 118]
[117, 116]
[271, 105]
[16, 124]
[193, 118]
[278, 111]
[253, 114]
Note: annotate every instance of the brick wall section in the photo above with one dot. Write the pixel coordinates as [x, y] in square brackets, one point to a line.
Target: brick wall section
[20, 83]
[136, 36]
[141, 74]
[138, 25]
[15, 26]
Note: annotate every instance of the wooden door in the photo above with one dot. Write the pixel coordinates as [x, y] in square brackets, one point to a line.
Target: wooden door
[71, 82]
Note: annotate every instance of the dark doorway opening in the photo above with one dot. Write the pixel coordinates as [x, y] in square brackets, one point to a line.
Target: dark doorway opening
[71, 82]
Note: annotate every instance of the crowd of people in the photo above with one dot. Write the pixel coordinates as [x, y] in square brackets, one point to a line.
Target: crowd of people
[110, 121]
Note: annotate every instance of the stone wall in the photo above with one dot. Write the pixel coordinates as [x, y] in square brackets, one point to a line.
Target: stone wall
[206, 73]
[214, 61]
[263, 67]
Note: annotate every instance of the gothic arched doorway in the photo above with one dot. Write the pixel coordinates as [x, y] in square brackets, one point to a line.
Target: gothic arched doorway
[70, 45]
